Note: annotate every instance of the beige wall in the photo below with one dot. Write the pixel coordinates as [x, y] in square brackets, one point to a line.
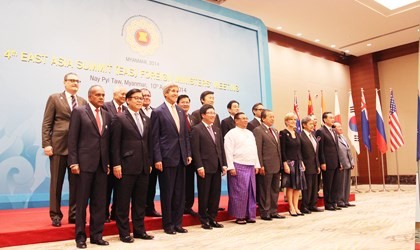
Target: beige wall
[296, 71]
[401, 74]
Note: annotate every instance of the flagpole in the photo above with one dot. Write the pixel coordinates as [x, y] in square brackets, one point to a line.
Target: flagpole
[383, 175]
[357, 173]
[398, 174]
[368, 162]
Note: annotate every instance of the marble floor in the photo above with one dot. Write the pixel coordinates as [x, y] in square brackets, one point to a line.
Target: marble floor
[380, 220]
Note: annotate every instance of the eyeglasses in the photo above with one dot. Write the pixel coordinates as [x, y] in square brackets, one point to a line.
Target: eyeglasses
[74, 80]
[137, 98]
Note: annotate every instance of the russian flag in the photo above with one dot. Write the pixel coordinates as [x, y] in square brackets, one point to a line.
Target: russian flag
[380, 128]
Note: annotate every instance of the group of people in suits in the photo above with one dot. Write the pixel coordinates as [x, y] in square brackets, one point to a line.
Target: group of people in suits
[123, 146]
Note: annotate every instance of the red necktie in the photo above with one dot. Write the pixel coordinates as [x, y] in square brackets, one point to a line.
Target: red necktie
[271, 132]
[98, 121]
[188, 122]
[119, 109]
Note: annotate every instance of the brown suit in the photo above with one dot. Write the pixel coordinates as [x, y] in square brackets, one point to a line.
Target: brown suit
[55, 128]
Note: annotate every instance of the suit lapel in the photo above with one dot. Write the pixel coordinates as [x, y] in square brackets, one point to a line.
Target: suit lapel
[168, 115]
[64, 103]
[131, 120]
[92, 117]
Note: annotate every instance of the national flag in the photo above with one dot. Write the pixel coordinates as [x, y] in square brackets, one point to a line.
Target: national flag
[365, 124]
[352, 132]
[310, 107]
[418, 125]
[322, 103]
[337, 113]
[396, 139]
[296, 111]
[380, 128]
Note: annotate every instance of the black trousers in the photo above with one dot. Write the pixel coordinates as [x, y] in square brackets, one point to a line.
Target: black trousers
[209, 189]
[331, 186]
[111, 189]
[310, 194]
[172, 195]
[151, 190]
[131, 188]
[189, 186]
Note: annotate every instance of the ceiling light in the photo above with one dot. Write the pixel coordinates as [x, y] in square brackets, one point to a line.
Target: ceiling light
[279, 27]
[347, 51]
[317, 40]
[369, 44]
[333, 46]
[392, 4]
[299, 34]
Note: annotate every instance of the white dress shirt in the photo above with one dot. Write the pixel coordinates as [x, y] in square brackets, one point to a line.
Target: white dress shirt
[240, 147]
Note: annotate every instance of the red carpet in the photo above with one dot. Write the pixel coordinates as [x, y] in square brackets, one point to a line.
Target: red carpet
[33, 225]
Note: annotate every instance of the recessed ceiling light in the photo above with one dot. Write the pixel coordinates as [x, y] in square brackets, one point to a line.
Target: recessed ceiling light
[392, 4]
[317, 40]
[299, 34]
[333, 46]
[279, 27]
[347, 51]
[369, 44]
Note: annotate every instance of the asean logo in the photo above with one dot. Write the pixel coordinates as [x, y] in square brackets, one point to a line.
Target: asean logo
[142, 35]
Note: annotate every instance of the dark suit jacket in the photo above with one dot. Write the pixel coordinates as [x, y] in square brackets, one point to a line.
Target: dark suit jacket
[253, 124]
[309, 154]
[87, 147]
[110, 107]
[269, 152]
[205, 152]
[128, 148]
[196, 119]
[328, 148]
[169, 145]
[227, 124]
[55, 125]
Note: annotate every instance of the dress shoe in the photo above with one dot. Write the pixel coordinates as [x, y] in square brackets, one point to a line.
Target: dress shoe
[100, 242]
[127, 239]
[315, 209]
[181, 230]
[342, 205]
[191, 212]
[215, 224]
[266, 218]
[350, 205]
[206, 226]
[221, 209]
[300, 213]
[277, 216]
[240, 221]
[144, 236]
[72, 221]
[294, 214]
[153, 213]
[337, 208]
[330, 208]
[305, 211]
[250, 221]
[56, 223]
[169, 231]
[81, 244]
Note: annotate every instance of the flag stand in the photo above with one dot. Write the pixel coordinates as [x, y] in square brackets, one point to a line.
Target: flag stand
[383, 175]
[398, 174]
[368, 162]
[357, 173]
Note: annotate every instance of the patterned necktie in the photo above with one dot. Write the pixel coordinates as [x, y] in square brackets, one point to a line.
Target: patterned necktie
[211, 133]
[98, 121]
[73, 102]
[138, 123]
[175, 116]
[271, 132]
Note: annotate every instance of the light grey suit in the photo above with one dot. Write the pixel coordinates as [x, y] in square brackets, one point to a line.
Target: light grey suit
[269, 155]
[346, 161]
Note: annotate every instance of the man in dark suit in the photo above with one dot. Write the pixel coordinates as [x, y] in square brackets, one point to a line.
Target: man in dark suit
[256, 110]
[207, 97]
[347, 164]
[210, 162]
[132, 164]
[309, 150]
[229, 122]
[55, 128]
[89, 160]
[171, 153]
[153, 176]
[269, 155]
[183, 102]
[113, 107]
[330, 163]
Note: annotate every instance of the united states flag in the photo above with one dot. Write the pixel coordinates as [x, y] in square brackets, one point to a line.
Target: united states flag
[396, 139]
